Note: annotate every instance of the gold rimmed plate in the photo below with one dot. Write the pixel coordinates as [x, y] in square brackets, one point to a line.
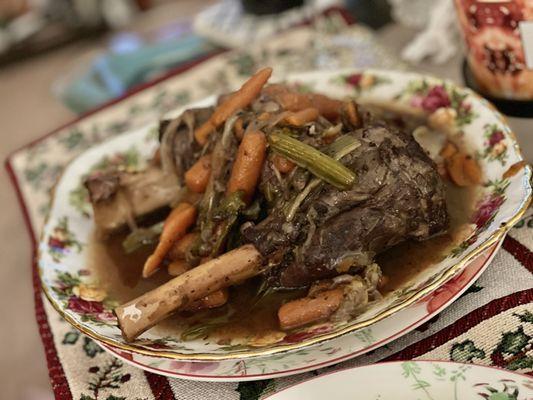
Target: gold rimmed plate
[81, 296]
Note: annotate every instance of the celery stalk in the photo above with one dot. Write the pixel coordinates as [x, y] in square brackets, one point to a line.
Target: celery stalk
[319, 164]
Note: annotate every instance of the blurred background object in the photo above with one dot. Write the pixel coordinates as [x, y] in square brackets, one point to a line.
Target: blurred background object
[439, 36]
[29, 27]
[260, 7]
[133, 56]
[499, 52]
[130, 59]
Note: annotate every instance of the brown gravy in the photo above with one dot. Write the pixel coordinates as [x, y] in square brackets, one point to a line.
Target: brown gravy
[120, 275]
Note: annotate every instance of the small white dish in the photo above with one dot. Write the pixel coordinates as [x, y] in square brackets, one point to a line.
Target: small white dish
[409, 380]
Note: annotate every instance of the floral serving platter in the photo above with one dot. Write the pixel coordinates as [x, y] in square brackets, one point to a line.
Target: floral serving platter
[74, 292]
[321, 355]
[407, 380]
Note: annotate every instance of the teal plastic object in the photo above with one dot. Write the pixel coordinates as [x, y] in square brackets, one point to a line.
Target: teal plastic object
[113, 74]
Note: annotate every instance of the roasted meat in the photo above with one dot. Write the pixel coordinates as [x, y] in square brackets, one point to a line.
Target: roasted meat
[398, 195]
[292, 189]
[120, 198]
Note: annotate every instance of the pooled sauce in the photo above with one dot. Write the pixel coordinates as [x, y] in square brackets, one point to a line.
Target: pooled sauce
[404, 261]
[120, 275]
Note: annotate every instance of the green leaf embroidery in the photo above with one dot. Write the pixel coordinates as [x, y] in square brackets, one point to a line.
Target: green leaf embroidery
[465, 352]
[526, 316]
[86, 397]
[74, 139]
[410, 369]
[525, 362]
[108, 377]
[244, 64]
[513, 342]
[111, 397]
[71, 337]
[91, 348]
[252, 390]
[420, 384]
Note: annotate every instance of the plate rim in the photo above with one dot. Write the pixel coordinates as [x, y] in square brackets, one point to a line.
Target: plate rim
[386, 363]
[294, 371]
[496, 236]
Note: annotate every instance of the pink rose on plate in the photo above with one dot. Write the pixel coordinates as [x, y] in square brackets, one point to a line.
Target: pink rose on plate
[435, 300]
[353, 80]
[84, 307]
[416, 101]
[193, 367]
[486, 210]
[56, 243]
[495, 138]
[301, 336]
[106, 316]
[436, 98]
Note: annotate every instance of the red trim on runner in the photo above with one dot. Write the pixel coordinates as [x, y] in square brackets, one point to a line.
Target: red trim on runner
[57, 376]
[463, 324]
[522, 254]
[159, 385]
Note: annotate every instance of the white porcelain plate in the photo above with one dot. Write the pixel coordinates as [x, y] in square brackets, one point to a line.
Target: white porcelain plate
[321, 355]
[410, 380]
[501, 201]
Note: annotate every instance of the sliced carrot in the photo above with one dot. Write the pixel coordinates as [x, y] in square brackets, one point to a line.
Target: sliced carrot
[239, 128]
[213, 300]
[179, 220]
[265, 116]
[180, 247]
[282, 164]
[327, 107]
[304, 311]
[291, 100]
[302, 117]
[448, 150]
[197, 177]
[351, 113]
[248, 163]
[513, 169]
[455, 168]
[248, 92]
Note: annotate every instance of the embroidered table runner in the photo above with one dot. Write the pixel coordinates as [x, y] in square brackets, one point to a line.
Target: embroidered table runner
[491, 324]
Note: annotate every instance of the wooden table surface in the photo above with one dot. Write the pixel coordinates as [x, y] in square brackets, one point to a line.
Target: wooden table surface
[27, 111]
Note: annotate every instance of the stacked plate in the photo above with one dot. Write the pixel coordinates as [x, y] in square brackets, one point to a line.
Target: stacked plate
[500, 201]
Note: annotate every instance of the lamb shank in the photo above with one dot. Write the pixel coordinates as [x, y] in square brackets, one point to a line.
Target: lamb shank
[300, 189]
